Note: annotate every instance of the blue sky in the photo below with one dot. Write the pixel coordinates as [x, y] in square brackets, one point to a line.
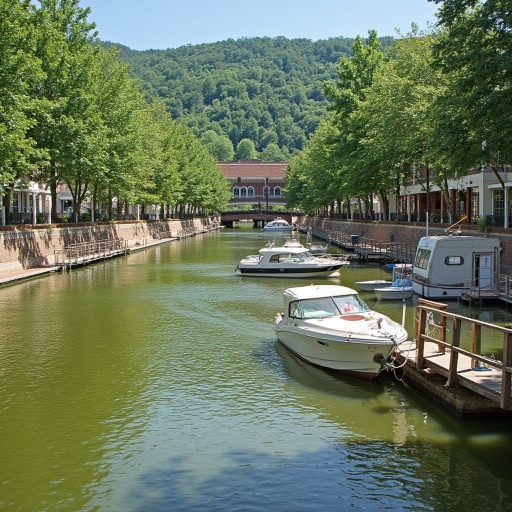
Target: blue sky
[161, 24]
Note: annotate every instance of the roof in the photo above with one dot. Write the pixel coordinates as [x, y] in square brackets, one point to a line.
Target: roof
[317, 291]
[253, 169]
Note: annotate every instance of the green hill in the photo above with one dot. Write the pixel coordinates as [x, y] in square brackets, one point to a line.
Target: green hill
[268, 90]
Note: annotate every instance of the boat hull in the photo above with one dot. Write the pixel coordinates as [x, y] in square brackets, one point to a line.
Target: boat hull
[369, 286]
[360, 359]
[295, 271]
[391, 293]
[273, 229]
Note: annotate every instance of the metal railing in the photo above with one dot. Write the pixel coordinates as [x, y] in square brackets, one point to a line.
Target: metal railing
[75, 254]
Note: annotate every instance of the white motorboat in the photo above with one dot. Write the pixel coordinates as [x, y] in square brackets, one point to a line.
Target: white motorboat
[278, 224]
[332, 327]
[369, 286]
[287, 261]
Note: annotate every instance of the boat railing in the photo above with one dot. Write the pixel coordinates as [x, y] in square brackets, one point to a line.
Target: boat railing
[433, 323]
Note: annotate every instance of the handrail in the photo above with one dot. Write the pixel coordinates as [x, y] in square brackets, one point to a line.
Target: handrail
[425, 307]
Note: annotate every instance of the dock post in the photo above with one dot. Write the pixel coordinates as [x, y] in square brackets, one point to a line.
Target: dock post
[506, 375]
[454, 354]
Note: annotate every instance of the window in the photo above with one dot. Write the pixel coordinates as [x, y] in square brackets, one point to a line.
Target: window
[454, 260]
[499, 203]
[422, 257]
[243, 192]
[250, 191]
[236, 192]
[277, 191]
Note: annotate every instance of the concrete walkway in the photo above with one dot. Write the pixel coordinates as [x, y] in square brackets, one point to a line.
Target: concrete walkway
[12, 276]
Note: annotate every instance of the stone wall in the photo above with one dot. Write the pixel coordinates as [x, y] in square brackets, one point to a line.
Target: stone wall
[26, 248]
[409, 233]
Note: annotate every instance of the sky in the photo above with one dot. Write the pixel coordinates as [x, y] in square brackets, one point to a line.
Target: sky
[162, 24]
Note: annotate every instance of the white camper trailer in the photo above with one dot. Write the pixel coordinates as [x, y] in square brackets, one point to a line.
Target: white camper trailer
[445, 267]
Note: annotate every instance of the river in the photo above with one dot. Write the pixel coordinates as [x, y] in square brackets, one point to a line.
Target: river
[154, 382]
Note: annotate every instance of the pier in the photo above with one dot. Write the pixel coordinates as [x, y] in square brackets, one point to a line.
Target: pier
[465, 380]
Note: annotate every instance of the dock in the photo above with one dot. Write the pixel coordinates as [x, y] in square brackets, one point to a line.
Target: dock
[463, 379]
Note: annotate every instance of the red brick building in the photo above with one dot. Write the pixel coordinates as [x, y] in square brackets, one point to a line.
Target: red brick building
[254, 182]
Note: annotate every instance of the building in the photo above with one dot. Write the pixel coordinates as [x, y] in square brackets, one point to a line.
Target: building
[256, 183]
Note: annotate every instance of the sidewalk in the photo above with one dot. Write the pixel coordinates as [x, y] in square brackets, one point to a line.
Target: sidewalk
[26, 273]
[12, 276]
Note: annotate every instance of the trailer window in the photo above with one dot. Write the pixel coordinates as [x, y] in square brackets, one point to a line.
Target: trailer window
[454, 260]
[422, 257]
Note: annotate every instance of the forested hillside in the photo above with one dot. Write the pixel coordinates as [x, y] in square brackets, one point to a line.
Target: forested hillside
[267, 90]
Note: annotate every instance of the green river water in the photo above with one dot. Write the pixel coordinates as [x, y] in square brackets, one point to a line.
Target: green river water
[154, 382]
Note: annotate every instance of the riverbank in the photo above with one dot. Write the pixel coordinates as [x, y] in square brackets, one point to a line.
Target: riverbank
[146, 236]
[36, 247]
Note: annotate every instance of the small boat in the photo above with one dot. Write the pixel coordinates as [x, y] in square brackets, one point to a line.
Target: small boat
[278, 224]
[400, 289]
[399, 270]
[287, 261]
[332, 327]
[401, 285]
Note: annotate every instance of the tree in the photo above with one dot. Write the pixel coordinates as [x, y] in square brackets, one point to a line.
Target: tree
[118, 99]
[19, 73]
[273, 153]
[219, 146]
[245, 150]
[400, 119]
[68, 125]
[475, 50]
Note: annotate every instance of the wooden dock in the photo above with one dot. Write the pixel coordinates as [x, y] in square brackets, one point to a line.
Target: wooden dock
[462, 378]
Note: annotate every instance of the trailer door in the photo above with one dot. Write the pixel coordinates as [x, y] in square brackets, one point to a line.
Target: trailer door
[483, 270]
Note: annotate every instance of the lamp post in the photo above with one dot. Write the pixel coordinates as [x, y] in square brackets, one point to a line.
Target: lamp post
[266, 192]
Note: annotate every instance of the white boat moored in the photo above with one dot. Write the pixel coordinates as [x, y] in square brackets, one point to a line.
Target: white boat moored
[278, 224]
[288, 261]
[332, 327]
[400, 289]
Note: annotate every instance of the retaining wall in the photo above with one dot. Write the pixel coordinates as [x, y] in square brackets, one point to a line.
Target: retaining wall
[35, 246]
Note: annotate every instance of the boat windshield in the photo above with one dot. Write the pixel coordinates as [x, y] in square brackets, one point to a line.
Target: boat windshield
[327, 306]
[351, 304]
[306, 256]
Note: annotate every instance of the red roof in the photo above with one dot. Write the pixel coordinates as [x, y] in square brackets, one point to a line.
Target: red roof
[253, 169]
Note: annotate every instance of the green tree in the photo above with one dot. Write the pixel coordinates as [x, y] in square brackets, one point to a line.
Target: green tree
[245, 150]
[219, 146]
[118, 100]
[19, 73]
[273, 153]
[68, 126]
[475, 51]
